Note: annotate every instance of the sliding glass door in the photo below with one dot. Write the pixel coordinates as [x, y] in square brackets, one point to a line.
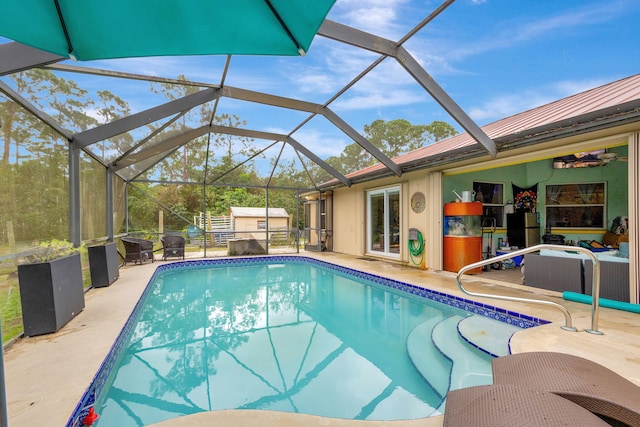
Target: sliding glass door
[383, 221]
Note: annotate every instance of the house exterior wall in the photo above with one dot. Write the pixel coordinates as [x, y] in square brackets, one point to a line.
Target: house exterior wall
[314, 223]
[523, 169]
[350, 215]
[349, 220]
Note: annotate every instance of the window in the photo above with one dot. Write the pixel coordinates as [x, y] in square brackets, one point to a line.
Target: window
[576, 205]
[262, 224]
[491, 194]
[383, 221]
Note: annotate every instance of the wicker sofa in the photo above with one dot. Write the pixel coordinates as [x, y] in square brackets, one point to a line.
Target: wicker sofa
[566, 271]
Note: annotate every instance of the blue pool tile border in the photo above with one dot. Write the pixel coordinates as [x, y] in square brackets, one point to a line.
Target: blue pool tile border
[89, 397]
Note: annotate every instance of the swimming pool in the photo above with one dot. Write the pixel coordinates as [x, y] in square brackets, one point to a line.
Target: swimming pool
[300, 335]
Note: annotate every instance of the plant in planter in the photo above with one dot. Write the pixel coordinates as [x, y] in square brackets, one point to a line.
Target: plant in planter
[51, 290]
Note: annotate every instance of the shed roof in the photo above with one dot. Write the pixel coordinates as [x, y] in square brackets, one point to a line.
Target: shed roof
[239, 212]
[615, 98]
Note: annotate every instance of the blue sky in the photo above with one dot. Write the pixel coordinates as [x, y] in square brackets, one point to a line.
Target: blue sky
[495, 58]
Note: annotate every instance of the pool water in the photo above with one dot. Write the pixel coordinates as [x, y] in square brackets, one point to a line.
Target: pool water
[284, 334]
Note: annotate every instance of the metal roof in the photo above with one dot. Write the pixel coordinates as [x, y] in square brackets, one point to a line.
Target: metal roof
[613, 98]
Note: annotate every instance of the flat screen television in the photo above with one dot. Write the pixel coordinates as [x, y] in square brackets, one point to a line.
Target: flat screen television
[587, 159]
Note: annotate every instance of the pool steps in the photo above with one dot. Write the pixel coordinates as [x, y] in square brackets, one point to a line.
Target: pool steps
[463, 357]
[443, 349]
[488, 335]
[432, 364]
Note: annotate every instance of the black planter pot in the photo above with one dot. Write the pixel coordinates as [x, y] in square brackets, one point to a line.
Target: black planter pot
[51, 294]
[103, 262]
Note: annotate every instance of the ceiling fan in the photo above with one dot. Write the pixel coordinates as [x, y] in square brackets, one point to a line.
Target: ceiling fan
[611, 157]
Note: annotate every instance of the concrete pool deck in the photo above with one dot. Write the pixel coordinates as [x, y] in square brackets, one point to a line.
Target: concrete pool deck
[46, 376]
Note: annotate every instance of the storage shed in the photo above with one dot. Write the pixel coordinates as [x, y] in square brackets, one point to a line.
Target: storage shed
[253, 223]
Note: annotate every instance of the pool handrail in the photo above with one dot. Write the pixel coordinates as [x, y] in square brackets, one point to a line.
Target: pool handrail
[595, 305]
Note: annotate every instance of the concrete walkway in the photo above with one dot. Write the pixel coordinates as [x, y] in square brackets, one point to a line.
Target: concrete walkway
[46, 376]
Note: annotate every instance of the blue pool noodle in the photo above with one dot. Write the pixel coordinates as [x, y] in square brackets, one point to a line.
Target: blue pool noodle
[608, 303]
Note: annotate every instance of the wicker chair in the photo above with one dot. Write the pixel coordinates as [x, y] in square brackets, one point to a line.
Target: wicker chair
[172, 246]
[137, 249]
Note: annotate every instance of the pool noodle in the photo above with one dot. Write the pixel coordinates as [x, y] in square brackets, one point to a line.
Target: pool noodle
[608, 303]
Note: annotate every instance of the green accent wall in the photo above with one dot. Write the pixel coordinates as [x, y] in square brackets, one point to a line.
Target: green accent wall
[541, 172]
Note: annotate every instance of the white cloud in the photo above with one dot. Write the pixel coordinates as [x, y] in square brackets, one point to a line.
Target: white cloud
[330, 70]
[94, 113]
[379, 99]
[315, 82]
[378, 17]
[321, 144]
[570, 87]
[388, 84]
[513, 103]
[507, 105]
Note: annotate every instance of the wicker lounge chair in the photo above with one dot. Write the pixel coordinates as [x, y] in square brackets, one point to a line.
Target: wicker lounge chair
[512, 406]
[172, 246]
[137, 249]
[590, 385]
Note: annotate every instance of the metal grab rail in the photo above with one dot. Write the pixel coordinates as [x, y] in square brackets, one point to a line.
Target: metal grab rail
[595, 305]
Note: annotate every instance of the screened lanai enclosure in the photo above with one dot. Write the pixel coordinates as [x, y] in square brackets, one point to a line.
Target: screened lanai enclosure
[133, 130]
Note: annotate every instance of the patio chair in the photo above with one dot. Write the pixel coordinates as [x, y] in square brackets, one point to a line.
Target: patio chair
[137, 249]
[172, 246]
[503, 405]
[589, 384]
